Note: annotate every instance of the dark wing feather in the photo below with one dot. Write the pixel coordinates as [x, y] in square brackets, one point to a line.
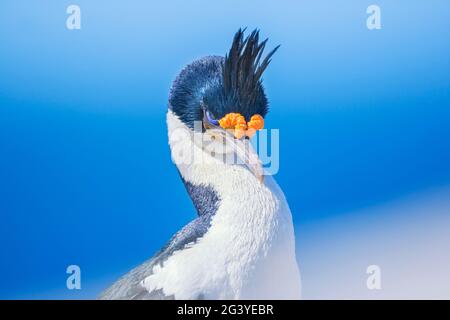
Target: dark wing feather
[129, 287]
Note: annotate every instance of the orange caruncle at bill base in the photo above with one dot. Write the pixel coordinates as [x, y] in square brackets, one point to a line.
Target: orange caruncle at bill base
[240, 128]
[256, 123]
[236, 122]
[230, 120]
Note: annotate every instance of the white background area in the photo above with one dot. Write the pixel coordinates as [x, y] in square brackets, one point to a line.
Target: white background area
[408, 239]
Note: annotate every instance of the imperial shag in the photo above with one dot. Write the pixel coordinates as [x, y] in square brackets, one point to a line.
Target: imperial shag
[241, 245]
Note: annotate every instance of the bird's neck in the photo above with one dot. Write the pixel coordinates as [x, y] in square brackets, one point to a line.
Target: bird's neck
[210, 182]
[205, 199]
[250, 233]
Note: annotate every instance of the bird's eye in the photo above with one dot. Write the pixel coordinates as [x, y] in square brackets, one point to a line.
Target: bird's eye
[211, 118]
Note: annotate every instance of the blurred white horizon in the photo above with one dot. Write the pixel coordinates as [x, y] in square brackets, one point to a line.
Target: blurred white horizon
[407, 238]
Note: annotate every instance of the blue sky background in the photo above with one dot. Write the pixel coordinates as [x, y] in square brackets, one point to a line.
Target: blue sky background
[85, 170]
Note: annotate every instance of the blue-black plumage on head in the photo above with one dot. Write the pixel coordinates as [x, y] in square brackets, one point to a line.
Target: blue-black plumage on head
[222, 85]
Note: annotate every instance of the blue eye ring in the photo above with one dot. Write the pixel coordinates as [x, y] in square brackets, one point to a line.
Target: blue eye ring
[211, 119]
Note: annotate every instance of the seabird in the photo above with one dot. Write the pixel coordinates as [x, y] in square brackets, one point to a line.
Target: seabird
[241, 245]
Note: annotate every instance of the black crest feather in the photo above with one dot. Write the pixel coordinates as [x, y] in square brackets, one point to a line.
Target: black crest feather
[223, 84]
[242, 68]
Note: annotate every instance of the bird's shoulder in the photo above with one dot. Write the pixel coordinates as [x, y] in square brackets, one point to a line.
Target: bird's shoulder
[129, 286]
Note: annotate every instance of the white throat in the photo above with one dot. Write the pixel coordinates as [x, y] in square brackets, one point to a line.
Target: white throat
[248, 251]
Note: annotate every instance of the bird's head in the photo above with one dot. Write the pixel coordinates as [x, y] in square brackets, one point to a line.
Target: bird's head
[224, 97]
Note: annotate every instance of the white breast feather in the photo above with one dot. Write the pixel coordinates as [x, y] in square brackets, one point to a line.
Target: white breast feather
[249, 249]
